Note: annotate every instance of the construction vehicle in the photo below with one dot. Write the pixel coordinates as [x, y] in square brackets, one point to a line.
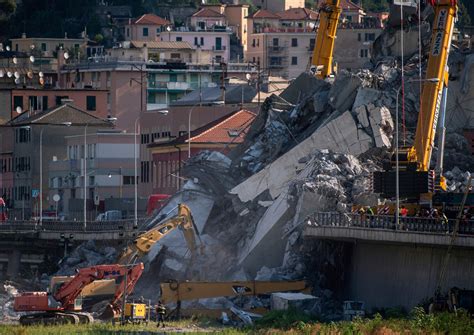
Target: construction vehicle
[145, 241]
[176, 292]
[415, 180]
[62, 305]
[322, 59]
[100, 290]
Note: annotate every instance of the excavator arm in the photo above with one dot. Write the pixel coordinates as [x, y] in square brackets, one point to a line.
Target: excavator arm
[322, 60]
[144, 242]
[70, 290]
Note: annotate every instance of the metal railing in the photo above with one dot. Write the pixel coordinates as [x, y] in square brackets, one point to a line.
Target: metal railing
[69, 226]
[411, 224]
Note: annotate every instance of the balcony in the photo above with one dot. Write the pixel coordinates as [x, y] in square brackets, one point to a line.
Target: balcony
[222, 48]
[169, 86]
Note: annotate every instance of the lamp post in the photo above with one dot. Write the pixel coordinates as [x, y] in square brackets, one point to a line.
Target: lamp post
[397, 165]
[189, 122]
[135, 158]
[67, 124]
[85, 177]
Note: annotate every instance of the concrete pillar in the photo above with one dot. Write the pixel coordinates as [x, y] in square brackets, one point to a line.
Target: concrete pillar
[13, 263]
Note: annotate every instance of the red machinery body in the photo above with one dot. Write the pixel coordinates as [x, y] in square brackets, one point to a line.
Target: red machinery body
[64, 298]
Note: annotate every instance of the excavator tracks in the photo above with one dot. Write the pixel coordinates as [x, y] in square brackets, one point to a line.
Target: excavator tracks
[56, 318]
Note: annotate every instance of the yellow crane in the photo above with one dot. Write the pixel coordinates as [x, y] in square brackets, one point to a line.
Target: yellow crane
[415, 177]
[322, 60]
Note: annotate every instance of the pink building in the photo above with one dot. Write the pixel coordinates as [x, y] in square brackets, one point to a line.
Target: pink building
[6, 164]
[93, 101]
[147, 27]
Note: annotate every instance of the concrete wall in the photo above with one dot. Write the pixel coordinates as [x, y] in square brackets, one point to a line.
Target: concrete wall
[385, 275]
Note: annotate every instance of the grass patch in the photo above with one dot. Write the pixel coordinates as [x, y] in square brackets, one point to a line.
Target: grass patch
[276, 322]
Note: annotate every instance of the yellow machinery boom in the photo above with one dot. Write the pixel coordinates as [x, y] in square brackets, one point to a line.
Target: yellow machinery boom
[322, 60]
[445, 12]
[145, 241]
[174, 292]
[415, 177]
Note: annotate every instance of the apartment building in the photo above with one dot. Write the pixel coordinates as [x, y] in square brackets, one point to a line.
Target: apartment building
[235, 16]
[278, 5]
[147, 27]
[34, 100]
[42, 132]
[110, 172]
[48, 46]
[283, 42]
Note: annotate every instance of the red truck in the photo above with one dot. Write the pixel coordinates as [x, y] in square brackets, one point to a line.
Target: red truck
[155, 202]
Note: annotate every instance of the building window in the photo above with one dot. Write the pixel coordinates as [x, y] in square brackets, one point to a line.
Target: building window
[312, 41]
[275, 42]
[202, 40]
[128, 180]
[294, 60]
[145, 31]
[369, 37]
[196, 40]
[43, 47]
[18, 102]
[364, 53]
[128, 32]
[59, 98]
[294, 42]
[359, 38]
[91, 103]
[179, 38]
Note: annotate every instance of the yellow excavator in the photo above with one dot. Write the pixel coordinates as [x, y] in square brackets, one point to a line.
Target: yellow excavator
[145, 241]
[416, 181]
[322, 60]
[103, 289]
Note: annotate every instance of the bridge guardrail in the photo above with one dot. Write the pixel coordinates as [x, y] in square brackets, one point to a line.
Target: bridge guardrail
[412, 224]
[68, 226]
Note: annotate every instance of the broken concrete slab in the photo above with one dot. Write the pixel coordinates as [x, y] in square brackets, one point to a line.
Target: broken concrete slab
[344, 90]
[339, 135]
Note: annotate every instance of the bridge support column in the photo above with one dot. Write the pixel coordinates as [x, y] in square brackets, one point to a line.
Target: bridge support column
[13, 263]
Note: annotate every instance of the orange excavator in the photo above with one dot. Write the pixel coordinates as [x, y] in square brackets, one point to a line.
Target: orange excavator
[62, 305]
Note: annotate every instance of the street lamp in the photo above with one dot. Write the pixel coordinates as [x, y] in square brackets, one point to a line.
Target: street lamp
[135, 158]
[67, 124]
[189, 121]
[110, 119]
[397, 165]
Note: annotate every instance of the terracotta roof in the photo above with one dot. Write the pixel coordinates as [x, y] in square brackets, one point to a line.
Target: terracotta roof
[162, 44]
[349, 5]
[231, 130]
[264, 14]
[58, 115]
[151, 19]
[207, 12]
[228, 129]
[298, 14]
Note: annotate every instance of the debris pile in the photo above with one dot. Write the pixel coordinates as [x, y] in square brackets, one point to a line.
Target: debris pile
[85, 255]
[7, 295]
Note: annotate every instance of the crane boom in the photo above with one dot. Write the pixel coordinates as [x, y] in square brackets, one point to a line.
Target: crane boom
[445, 12]
[322, 60]
[416, 180]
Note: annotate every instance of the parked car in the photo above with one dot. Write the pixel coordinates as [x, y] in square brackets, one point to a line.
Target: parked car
[113, 215]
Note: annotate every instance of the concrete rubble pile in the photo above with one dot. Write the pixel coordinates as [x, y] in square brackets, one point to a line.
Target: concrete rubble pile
[85, 255]
[7, 295]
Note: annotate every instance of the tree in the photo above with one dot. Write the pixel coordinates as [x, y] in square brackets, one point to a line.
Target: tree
[7, 7]
[463, 15]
